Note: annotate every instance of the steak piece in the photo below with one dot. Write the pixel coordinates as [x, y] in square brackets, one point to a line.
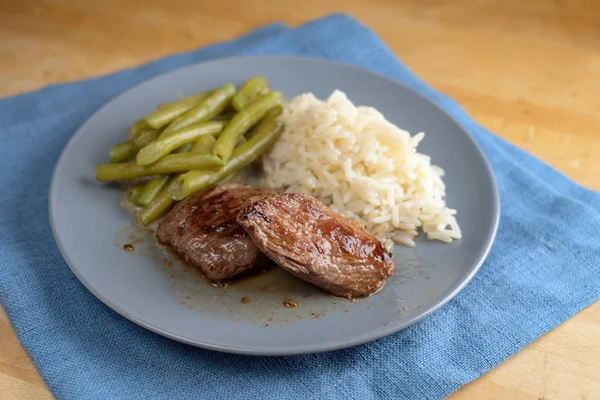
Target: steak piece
[314, 243]
[203, 232]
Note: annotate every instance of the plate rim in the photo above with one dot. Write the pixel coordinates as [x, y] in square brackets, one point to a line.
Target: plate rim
[279, 351]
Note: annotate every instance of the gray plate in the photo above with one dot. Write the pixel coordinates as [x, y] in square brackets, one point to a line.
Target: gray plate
[158, 293]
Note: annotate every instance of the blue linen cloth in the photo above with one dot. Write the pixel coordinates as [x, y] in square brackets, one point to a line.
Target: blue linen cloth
[543, 268]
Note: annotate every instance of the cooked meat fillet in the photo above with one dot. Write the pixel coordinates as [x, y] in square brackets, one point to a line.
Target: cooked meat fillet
[314, 243]
[203, 232]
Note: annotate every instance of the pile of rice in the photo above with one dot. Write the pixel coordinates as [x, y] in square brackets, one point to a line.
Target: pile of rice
[362, 166]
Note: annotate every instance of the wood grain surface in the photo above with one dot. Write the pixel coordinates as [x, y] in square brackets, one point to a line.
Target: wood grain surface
[527, 70]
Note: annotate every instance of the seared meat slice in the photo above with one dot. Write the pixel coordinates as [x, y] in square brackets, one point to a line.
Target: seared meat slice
[203, 232]
[314, 243]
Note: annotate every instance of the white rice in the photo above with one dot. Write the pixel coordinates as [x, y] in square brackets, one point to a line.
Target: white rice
[362, 166]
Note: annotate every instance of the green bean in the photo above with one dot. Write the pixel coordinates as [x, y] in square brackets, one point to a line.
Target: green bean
[151, 189]
[134, 192]
[273, 113]
[137, 128]
[249, 91]
[161, 117]
[243, 121]
[146, 137]
[162, 201]
[190, 100]
[123, 151]
[154, 185]
[194, 181]
[204, 143]
[164, 145]
[160, 205]
[167, 165]
[206, 110]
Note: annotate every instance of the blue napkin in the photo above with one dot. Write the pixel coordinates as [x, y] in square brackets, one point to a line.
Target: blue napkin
[543, 268]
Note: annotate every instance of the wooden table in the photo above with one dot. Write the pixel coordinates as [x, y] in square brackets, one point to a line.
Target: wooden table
[528, 70]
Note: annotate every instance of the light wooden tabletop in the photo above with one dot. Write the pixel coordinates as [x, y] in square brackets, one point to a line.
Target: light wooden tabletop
[527, 70]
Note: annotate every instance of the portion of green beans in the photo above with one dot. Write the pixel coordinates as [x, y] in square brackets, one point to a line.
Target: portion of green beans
[193, 143]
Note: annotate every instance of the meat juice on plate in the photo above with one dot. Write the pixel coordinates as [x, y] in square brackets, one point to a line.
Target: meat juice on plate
[270, 299]
[266, 299]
